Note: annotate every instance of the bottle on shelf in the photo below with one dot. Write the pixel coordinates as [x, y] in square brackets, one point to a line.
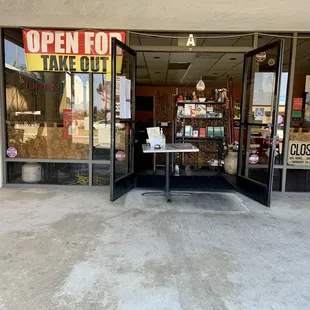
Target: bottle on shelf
[195, 98]
[162, 137]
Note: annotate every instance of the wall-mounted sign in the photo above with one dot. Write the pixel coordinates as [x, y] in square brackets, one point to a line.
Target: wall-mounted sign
[259, 114]
[191, 40]
[11, 152]
[297, 104]
[74, 51]
[120, 155]
[296, 115]
[299, 153]
[253, 159]
[260, 57]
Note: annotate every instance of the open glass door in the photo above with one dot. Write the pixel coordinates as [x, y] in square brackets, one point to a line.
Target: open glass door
[259, 115]
[123, 86]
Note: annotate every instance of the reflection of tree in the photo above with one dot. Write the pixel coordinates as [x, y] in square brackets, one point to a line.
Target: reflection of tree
[100, 88]
[103, 113]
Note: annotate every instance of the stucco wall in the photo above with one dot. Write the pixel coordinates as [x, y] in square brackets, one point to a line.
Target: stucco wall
[216, 15]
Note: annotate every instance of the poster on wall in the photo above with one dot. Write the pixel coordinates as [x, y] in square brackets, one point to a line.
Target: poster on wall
[297, 104]
[74, 51]
[299, 153]
[259, 114]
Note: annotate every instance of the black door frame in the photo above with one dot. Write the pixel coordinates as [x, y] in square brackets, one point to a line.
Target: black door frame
[251, 188]
[122, 185]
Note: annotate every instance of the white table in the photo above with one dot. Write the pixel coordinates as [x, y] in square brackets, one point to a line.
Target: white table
[167, 149]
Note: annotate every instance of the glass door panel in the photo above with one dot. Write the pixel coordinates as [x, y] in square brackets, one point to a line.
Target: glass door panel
[258, 144]
[123, 84]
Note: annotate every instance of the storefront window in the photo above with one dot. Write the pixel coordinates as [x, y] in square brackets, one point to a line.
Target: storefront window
[47, 114]
[299, 139]
[48, 173]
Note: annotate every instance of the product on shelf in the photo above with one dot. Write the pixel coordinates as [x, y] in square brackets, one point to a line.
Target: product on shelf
[202, 132]
[195, 97]
[188, 130]
[187, 108]
[193, 112]
[201, 109]
[210, 131]
[180, 111]
[204, 124]
[217, 131]
[222, 131]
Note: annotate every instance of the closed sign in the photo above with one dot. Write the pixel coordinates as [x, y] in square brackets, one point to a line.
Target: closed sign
[299, 153]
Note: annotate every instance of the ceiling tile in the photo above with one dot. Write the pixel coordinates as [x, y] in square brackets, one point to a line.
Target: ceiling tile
[208, 56]
[152, 66]
[182, 57]
[152, 56]
[142, 73]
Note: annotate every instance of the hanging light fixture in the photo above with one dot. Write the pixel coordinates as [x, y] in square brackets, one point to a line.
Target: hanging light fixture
[200, 85]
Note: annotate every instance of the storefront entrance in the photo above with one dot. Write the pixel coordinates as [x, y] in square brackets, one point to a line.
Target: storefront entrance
[56, 115]
[254, 175]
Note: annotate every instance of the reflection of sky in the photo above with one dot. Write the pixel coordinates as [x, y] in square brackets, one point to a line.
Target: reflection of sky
[98, 78]
[264, 88]
[10, 50]
[283, 88]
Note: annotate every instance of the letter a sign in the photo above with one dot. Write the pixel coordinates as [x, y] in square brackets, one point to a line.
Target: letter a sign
[191, 40]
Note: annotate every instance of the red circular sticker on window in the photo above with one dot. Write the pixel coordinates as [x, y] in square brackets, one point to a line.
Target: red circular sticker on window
[261, 57]
[120, 155]
[253, 159]
[11, 152]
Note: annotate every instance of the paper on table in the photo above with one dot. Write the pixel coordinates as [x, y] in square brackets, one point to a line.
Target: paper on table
[153, 132]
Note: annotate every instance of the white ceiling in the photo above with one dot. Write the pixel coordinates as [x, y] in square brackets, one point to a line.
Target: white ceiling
[153, 68]
[174, 15]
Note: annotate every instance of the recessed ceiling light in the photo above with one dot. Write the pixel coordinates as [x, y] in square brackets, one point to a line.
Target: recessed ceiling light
[233, 58]
[156, 57]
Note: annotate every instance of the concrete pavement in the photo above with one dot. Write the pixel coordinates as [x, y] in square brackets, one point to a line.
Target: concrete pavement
[71, 248]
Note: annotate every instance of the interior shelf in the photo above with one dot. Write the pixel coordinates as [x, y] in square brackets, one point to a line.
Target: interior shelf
[201, 138]
[199, 102]
[200, 117]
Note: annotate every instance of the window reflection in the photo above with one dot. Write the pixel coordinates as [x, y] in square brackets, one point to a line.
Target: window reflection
[102, 116]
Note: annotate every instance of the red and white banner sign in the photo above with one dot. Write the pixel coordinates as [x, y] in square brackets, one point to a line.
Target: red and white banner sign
[74, 51]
